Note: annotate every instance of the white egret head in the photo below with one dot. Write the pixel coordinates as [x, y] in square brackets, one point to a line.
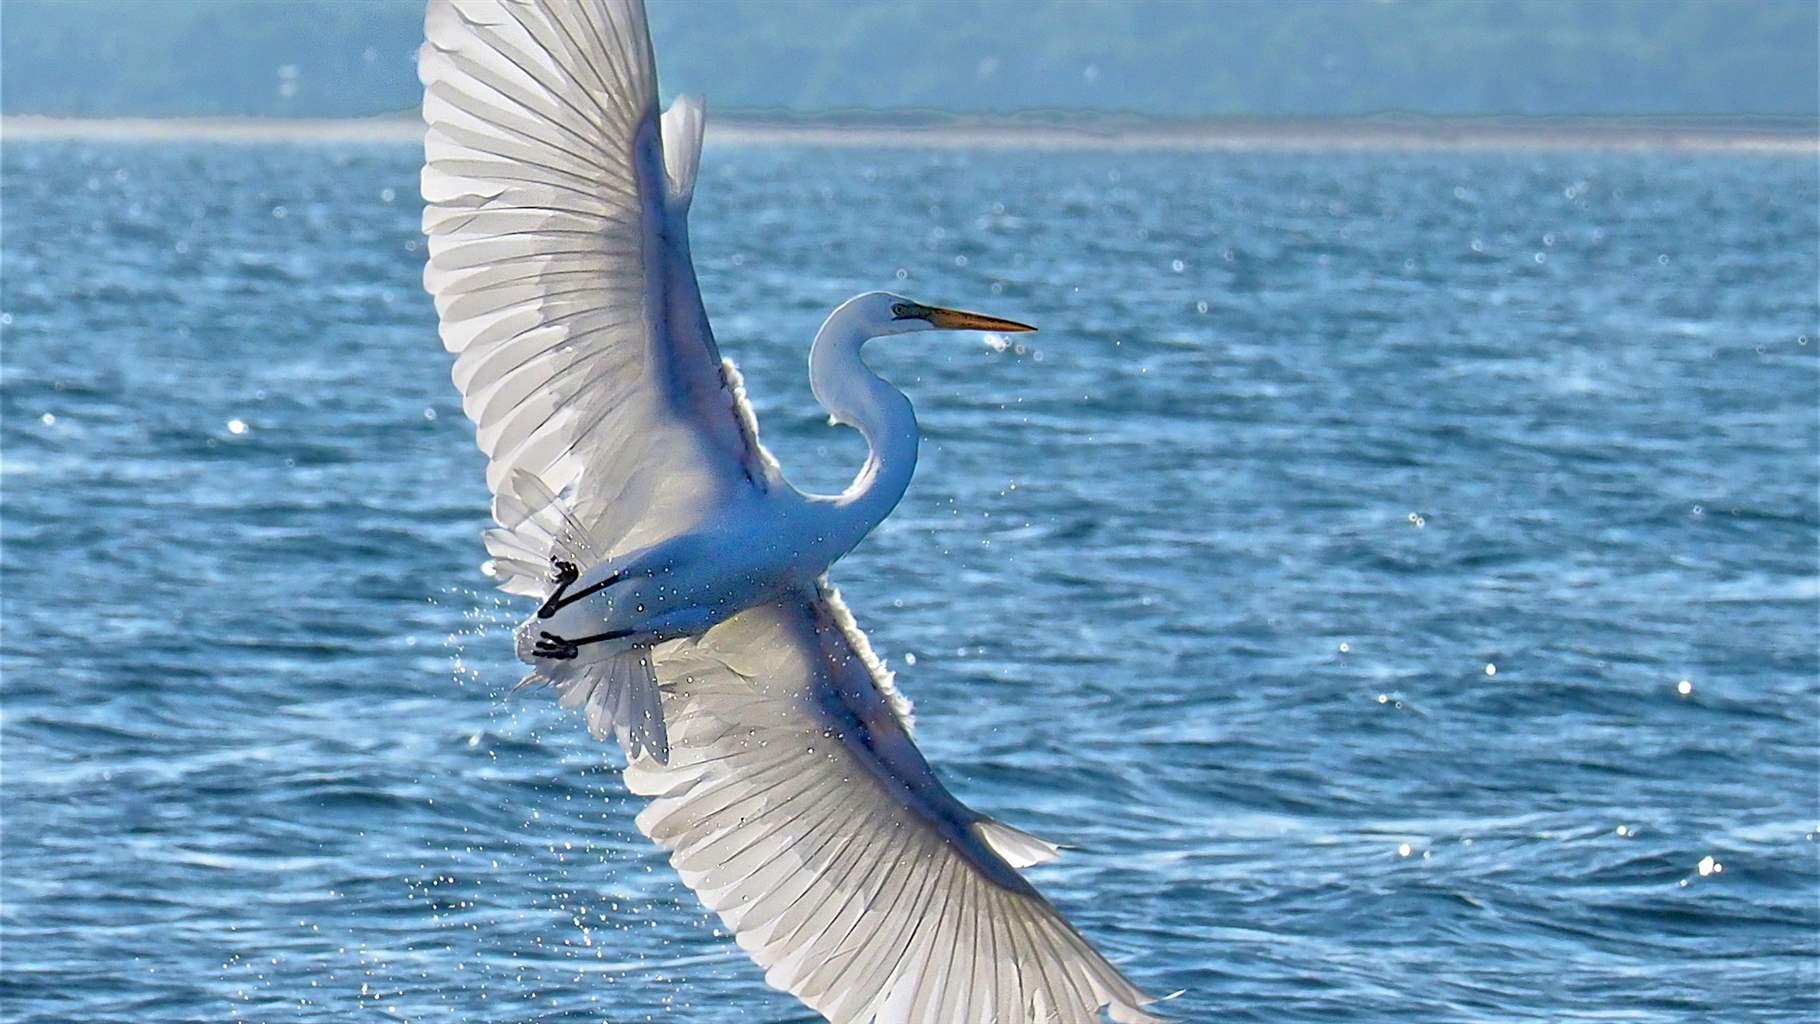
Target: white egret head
[881, 314]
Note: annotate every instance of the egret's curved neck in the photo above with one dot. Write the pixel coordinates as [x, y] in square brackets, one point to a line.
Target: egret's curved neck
[856, 396]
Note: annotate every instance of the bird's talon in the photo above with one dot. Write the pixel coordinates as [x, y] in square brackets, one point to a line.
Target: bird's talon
[555, 647]
[561, 574]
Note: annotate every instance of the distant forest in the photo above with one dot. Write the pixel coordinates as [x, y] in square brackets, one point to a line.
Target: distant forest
[1174, 58]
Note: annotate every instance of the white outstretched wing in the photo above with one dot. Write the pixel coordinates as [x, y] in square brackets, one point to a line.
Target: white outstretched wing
[796, 806]
[556, 209]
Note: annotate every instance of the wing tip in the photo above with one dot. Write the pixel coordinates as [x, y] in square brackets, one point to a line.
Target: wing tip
[1020, 849]
[1140, 1013]
[682, 128]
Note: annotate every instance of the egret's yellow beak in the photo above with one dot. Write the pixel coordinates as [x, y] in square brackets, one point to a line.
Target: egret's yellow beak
[958, 320]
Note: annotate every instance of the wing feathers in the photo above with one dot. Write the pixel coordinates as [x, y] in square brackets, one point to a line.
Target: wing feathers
[683, 126]
[582, 358]
[1019, 848]
[837, 880]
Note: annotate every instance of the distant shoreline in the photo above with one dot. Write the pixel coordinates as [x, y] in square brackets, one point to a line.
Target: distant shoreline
[1782, 136]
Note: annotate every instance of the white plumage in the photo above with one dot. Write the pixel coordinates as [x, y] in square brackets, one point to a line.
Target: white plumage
[773, 745]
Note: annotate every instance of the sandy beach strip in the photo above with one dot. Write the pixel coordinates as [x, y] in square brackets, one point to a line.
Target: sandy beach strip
[1056, 132]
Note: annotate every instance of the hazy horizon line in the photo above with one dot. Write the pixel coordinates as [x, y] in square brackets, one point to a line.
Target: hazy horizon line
[1045, 130]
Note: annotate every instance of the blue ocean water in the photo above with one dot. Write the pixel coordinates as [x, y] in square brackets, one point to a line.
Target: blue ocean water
[1395, 574]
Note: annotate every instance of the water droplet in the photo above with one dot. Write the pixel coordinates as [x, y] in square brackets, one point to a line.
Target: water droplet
[1709, 866]
[280, 213]
[48, 419]
[1684, 687]
[1490, 669]
[1345, 648]
[1176, 265]
[1403, 850]
[1201, 307]
[237, 426]
[386, 195]
[1624, 830]
[909, 658]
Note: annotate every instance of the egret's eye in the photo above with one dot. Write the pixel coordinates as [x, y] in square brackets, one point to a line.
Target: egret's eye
[900, 310]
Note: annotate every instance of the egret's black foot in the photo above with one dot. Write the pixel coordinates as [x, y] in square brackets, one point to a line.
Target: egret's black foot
[562, 574]
[551, 646]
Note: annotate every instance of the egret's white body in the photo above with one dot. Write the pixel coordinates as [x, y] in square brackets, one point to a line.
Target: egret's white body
[753, 544]
[685, 603]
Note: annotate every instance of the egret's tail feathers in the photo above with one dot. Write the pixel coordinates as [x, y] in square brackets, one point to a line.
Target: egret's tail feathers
[535, 526]
[617, 692]
[1019, 848]
[682, 128]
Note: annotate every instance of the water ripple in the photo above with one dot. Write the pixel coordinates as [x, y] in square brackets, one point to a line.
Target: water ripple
[1324, 574]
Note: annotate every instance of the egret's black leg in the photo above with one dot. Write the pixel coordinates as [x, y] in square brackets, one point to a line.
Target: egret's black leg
[549, 645]
[558, 600]
[562, 574]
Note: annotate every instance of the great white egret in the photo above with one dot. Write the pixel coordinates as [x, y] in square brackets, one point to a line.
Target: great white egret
[684, 605]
